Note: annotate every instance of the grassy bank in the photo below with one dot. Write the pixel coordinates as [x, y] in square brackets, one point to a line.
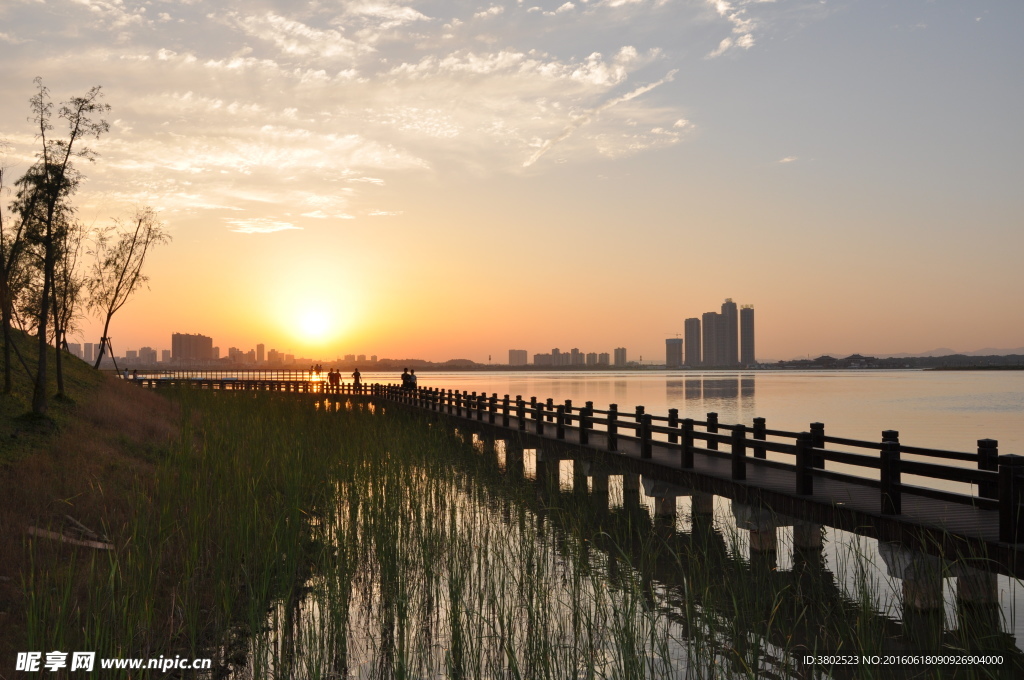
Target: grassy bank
[205, 501]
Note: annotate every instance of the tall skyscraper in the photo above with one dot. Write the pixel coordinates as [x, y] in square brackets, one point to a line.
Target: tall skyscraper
[517, 357]
[710, 333]
[620, 356]
[747, 335]
[674, 352]
[259, 353]
[730, 334]
[691, 333]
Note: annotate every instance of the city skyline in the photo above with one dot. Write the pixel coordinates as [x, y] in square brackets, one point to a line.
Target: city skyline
[449, 180]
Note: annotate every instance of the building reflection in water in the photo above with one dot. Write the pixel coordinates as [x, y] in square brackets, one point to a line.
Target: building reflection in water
[730, 396]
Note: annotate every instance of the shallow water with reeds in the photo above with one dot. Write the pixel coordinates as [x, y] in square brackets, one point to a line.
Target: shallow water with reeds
[447, 555]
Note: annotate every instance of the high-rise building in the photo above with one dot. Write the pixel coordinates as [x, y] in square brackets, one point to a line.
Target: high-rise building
[577, 358]
[147, 356]
[674, 352]
[747, 335]
[188, 347]
[260, 353]
[730, 334]
[165, 355]
[602, 359]
[543, 360]
[620, 356]
[691, 333]
[517, 357]
[75, 348]
[89, 356]
[361, 358]
[709, 336]
[274, 357]
[131, 355]
[591, 358]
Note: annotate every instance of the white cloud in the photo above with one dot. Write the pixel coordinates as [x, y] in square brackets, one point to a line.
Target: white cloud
[588, 116]
[742, 26]
[258, 225]
[787, 159]
[298, 39]
[492, 11]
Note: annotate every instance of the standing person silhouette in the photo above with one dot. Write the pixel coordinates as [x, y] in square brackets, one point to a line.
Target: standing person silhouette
[405, 378]
[412, 378]
[356, 376]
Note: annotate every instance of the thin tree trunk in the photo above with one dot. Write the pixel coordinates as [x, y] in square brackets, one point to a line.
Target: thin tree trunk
[103, 340]
[58, 365]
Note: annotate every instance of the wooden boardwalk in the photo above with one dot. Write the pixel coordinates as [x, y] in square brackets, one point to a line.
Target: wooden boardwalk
[802, 479]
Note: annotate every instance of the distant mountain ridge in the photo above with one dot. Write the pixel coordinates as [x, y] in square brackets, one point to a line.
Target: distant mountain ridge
[940, 352]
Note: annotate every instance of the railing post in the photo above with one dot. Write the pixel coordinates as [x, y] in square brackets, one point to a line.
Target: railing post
[739, 452]
[686, 456]
[804, 477]
[988, 459]
[712, 428]
[673, 423]
[645, 434]
[639, 417]
[492, 410]
[520, 413]
[892, 501]
[1011, 498]
[550, 409]
[504, 411]
[538, 415]
[586, 413]
[560, 422]
[567, 416]
[818, 442]
[613, 428]
[759, 435]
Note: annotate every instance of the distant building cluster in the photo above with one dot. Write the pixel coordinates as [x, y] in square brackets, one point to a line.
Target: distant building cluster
[574, 357]
[722, 339]
[196, 350]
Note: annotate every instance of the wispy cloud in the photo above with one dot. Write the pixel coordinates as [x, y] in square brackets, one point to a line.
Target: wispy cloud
[742, 26]
[258, 225]
[588, 116]
[787, 159]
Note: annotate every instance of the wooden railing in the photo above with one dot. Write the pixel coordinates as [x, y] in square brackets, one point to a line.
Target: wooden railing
[999, 478]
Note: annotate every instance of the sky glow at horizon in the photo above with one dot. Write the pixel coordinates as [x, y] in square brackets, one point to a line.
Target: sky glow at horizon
[454, 179]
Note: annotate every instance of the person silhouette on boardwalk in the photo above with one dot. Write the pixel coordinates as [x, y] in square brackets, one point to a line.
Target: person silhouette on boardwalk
[412, 378]
[405, 378]
[356, 377]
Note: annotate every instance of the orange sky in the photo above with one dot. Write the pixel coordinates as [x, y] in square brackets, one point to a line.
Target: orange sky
[442, 180]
